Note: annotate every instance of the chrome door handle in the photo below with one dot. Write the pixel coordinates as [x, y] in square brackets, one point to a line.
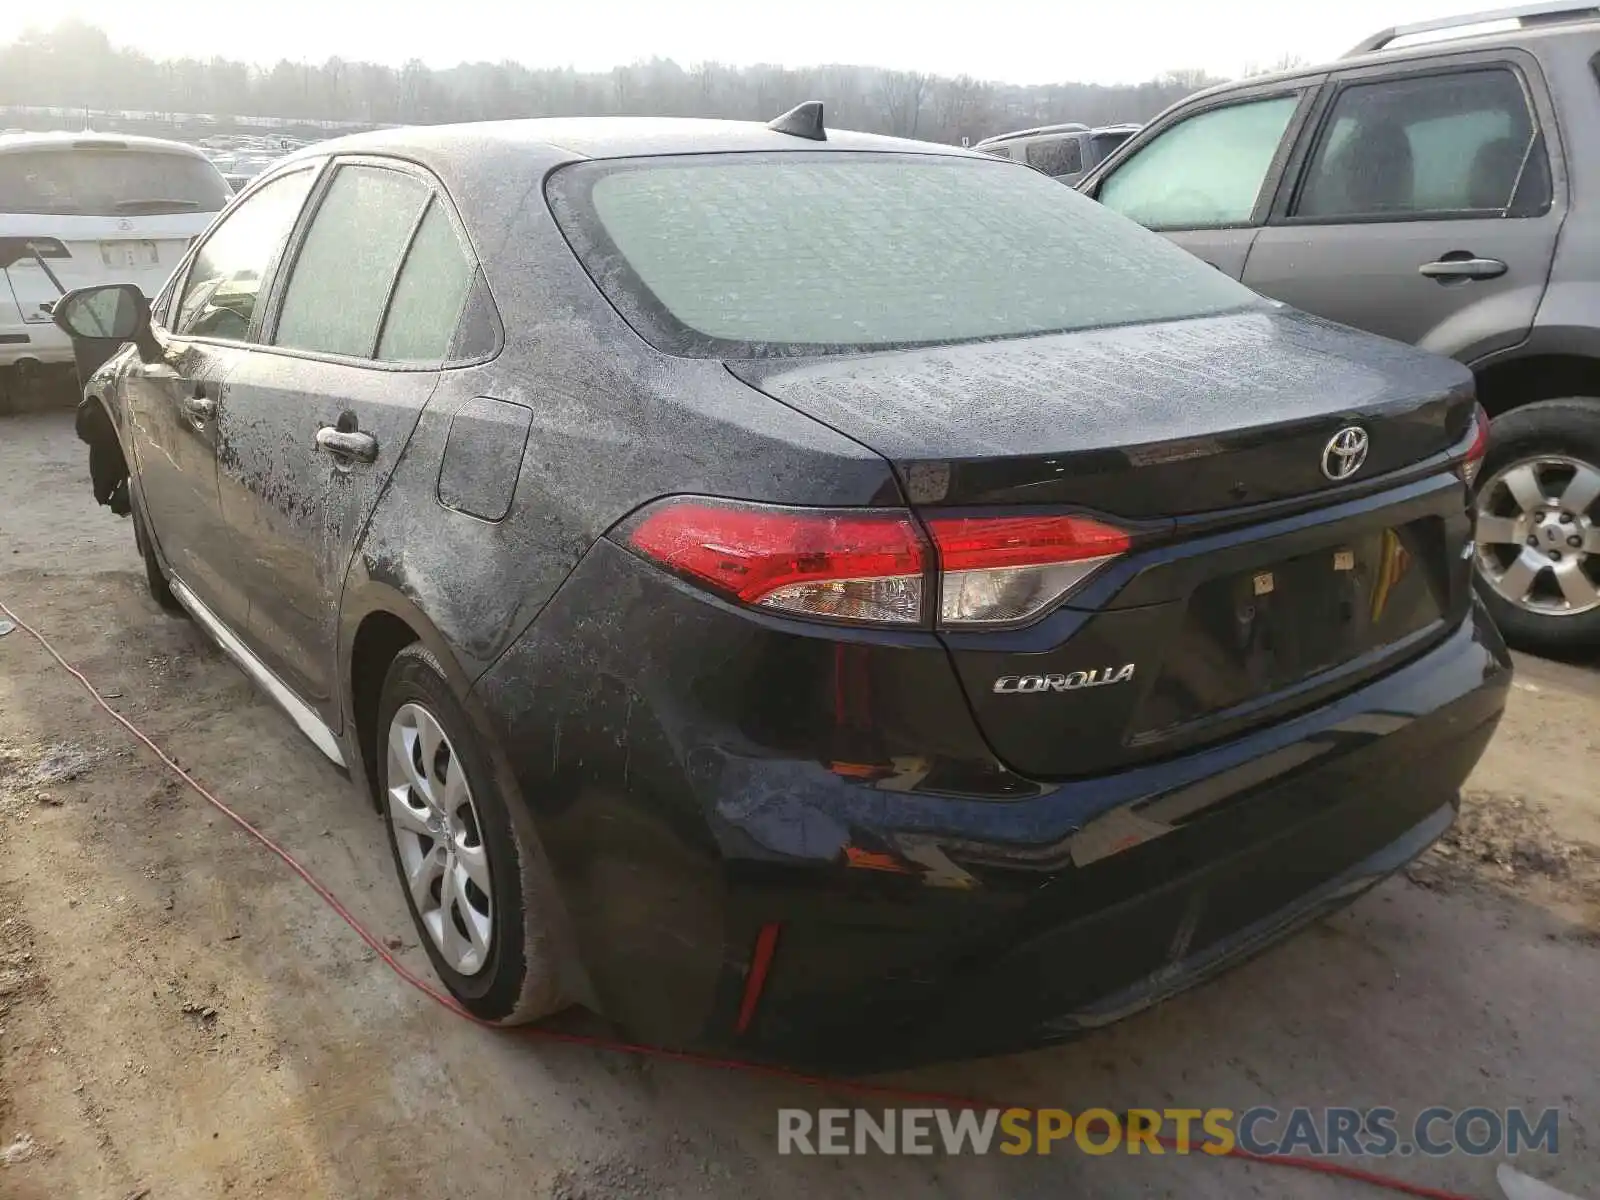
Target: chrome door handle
[199, 409]
[350, 447]
[1447, 269]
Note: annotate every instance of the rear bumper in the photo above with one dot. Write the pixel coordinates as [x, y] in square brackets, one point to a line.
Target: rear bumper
[1187, 970]
[984, 915]
[1087, 943]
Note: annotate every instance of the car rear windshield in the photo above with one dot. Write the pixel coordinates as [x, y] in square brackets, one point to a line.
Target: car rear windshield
[108, 182]
[806, 253]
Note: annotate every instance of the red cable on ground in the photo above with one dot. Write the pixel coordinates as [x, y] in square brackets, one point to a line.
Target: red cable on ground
[850, 1086]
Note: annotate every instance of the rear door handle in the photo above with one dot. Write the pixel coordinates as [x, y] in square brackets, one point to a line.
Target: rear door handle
[1448, 268]
[348, 447]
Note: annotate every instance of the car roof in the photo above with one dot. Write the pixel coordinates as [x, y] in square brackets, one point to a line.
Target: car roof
[90, 140]
[489, 168]
[610, 137]
[1443, 44]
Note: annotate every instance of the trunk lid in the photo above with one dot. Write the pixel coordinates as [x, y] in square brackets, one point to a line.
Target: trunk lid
[1249, 596]
[1147, 421]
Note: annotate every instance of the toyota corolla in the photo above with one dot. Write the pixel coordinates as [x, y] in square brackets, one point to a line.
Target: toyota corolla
[830, 597]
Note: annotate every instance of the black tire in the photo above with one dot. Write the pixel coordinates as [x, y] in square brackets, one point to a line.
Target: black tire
[521, 978]
[1569, 428]
[160, 592]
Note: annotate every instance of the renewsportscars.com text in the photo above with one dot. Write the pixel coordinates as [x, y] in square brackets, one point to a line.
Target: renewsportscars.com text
[1318, 1133]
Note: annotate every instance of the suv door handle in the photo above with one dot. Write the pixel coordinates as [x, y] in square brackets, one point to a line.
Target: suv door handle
[350, 447]
[1448, 268]
[199, 407]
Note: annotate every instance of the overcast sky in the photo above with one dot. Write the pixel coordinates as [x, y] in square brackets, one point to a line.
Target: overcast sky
[1019, 41]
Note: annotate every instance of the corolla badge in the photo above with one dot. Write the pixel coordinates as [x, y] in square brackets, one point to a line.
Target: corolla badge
[1099, 677]
[1345, 453]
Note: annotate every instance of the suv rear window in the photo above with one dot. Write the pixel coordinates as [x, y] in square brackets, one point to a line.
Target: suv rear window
[105, 182]
[805, 253]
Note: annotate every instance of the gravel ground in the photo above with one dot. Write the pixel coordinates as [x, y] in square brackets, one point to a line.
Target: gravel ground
[180, 1017]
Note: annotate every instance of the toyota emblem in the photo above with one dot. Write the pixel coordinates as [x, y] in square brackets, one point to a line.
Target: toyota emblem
[1345, 453]
[124, 224]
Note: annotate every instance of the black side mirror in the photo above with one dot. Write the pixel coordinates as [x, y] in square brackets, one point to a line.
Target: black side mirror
[118, 311]
[100, 320]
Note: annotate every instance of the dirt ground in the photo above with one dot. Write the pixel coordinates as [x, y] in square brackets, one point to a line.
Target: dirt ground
[180, 1017]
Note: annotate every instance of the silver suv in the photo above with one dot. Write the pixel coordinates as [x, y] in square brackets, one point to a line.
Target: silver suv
[1440, 184]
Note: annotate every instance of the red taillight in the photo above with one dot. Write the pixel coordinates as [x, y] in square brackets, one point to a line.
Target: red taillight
[860, 565]
[871, 565]
[1006, 570]
[1468, 468]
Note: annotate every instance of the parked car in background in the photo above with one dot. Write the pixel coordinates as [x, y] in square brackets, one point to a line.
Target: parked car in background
[87, 208]
[1440, 185]
[801, 591]
[1064, 152]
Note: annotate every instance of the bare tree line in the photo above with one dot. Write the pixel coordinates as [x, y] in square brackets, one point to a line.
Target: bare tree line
[75, 65]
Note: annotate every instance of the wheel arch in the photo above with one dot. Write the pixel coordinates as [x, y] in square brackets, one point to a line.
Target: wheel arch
[1512, 383]
[377, 622]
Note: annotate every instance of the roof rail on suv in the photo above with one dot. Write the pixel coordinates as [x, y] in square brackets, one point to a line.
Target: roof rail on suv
[1066, 127]
[1552, 12]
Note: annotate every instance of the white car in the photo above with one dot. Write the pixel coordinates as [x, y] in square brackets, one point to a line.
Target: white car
[92, 208]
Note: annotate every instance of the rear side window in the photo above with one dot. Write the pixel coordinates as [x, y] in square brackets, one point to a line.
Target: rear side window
[997, 151]
[1425, 146]
[109, 182]
[339, 286]
[1063, 156]
[1205, 172]
[428, 295]
[805, 253]
[227, 273]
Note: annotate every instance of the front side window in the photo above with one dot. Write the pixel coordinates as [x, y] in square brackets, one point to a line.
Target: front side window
[1206, 172]
[1427, 145]
[109, 180]
[339, 286]
[226, 275]
[1062, 156]
[817, 252]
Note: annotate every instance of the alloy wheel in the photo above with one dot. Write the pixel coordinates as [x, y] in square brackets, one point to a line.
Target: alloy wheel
[439, 839]
[1537, 539]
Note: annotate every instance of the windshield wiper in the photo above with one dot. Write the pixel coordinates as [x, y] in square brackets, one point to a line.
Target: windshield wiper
[161, 201]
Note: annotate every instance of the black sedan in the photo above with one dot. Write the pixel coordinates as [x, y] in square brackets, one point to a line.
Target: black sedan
[830, 597]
